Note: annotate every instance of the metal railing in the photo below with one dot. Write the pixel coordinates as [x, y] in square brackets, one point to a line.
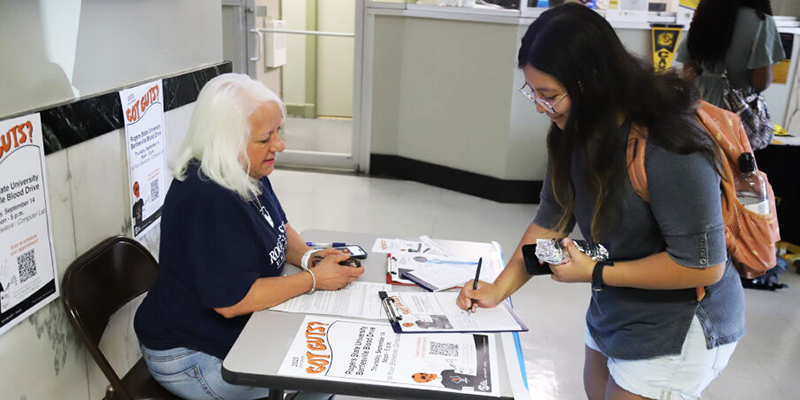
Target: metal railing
[260, 39]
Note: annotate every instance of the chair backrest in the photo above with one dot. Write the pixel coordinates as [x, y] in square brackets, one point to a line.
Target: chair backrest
[98, 284]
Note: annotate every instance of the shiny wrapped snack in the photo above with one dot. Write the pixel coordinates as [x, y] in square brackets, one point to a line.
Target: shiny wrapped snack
[551, 251]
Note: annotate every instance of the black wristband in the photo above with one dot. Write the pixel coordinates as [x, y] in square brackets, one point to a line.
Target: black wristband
[597, 275]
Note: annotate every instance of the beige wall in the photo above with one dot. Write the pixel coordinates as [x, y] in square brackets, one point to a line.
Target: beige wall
[50, 52]
[444, 92]
[294, 74]
[786, 7]
[335, 58]
[53, 50]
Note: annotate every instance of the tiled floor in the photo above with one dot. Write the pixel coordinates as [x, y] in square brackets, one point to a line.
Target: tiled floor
[329, 135]
[766, 364]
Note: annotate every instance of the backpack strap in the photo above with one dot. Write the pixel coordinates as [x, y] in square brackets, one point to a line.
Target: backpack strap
[637, 144]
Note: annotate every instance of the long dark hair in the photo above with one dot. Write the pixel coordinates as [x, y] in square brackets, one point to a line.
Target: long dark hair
[604, 82]
[712, 27]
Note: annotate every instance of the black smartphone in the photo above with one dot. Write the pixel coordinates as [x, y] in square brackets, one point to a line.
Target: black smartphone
[355, 262]
[532, 264]
[352, 261]
[355, 251]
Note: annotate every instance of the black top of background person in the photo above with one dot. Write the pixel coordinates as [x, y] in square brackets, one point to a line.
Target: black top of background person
[712, 27]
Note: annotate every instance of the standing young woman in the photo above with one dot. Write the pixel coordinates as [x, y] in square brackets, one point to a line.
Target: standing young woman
[647, 336]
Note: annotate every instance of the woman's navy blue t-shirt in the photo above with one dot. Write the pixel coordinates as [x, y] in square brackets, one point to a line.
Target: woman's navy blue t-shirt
[214, 246]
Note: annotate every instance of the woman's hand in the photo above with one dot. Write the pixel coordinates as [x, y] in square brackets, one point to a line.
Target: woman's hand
[487, 295]
[579, 267]
[332, 276]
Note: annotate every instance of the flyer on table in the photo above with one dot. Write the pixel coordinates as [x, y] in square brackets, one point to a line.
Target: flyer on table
[371, 353]
[27, 258]
[143, 112]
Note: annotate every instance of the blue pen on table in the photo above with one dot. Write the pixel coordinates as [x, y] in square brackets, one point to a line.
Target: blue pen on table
[321, 244]
[475, 283]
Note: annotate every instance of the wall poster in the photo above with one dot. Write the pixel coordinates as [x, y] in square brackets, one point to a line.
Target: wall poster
[143, 112]
[27, 257]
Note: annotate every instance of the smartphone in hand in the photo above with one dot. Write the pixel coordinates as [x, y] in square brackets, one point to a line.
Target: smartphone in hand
[532, 264]
[351, 262]
[355, 251]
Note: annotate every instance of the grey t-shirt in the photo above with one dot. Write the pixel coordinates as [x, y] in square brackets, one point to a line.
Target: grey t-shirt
[755, 43]
[684, 218]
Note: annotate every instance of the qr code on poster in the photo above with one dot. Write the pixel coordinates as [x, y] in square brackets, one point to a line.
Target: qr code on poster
[154, 189]
[27, 265]
[443, 349]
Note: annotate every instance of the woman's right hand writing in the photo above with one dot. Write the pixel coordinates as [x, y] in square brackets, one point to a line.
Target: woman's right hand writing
[487, 295]
[332, 276]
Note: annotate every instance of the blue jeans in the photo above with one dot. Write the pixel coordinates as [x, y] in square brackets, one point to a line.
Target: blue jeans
[194, 375]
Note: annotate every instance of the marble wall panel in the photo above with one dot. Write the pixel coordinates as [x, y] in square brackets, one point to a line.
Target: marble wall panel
[59, 190]
[48, 356]
[87, 185]
[48, 361]
[97, 168]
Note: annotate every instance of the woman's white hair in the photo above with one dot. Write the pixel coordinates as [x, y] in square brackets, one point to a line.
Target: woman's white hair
[220, 130]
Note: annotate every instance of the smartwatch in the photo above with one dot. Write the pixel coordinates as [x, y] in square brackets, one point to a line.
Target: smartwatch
[597, 275]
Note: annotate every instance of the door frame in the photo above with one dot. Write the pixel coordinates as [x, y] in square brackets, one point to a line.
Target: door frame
[245, 18]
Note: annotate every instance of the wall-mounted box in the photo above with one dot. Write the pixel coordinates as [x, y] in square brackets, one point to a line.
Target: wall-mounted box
[275, 45]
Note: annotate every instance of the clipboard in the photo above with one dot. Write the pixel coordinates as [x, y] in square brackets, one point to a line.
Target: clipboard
[437, 312]
[395, 276]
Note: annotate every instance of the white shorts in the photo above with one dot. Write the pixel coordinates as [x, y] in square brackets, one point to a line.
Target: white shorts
[675, 377]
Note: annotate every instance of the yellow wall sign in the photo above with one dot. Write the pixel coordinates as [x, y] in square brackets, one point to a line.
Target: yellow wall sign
[689, 4]
[665, 41]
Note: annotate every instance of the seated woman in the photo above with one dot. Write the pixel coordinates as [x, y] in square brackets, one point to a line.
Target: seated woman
[224, 242]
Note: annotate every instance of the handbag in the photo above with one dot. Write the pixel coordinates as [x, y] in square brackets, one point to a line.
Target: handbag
[752, 110]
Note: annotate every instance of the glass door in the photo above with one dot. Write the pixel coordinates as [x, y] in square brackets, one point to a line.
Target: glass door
[309, 56]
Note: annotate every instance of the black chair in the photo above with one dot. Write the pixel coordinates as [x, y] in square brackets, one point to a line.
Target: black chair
[95, 286]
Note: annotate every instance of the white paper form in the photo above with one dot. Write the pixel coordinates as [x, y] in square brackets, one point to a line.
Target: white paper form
[438, 312]
[358, 299]
[370, 352]
[442, 273]
[383, 245]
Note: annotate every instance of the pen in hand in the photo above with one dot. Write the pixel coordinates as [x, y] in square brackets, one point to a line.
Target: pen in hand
[475, 284]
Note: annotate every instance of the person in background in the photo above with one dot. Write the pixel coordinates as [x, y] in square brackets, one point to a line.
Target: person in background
[224, 242]
[737, 37]
[647, 335]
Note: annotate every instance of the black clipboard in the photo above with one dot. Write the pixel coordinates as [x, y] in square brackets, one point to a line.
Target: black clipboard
[392, 311]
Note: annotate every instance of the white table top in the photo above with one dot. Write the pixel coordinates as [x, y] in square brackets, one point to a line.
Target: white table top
[259, 351]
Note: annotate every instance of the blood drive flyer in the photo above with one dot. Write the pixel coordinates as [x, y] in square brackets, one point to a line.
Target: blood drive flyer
[143, 111]
[355, 351]
[27, 257]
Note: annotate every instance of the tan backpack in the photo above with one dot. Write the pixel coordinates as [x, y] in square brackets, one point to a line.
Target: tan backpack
[750, 237]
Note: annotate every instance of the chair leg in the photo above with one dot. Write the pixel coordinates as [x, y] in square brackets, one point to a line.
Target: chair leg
[276, 394]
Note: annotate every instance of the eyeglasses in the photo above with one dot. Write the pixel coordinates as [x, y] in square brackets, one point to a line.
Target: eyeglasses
[548, 105]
